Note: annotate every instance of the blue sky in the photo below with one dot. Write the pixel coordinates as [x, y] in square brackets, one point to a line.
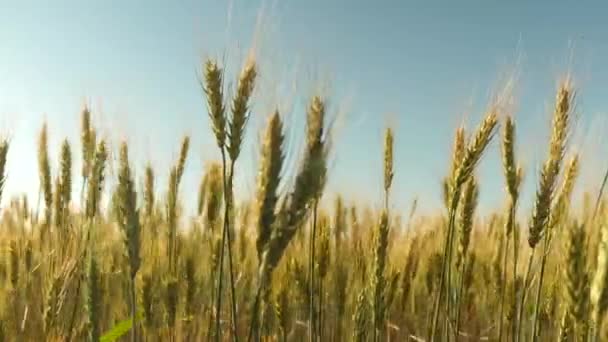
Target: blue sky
[421, 68]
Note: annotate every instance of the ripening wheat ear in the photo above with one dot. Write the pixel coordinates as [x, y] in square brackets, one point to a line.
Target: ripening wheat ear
[269, 176]
[360, 318]
[128, 220]
[86, 140]
[458, 151]
[513, 177]
[215, 100]
[575, 290]
[470, 157]
[552, 166]
[149, 193]
[214, 195]
[559, 212]
[44, 168]
[379, 282]
[202, 193]
[183, 155]
[175, 177]
[388, 159]
[66, 178]
[308, 187]
[240, 109]
[4, 146]
[599, 286]
[473, 153]
[546, 188]
[96, 181]
[469, 200]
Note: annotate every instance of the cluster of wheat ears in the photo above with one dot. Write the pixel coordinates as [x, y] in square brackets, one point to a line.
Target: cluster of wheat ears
[282, 267]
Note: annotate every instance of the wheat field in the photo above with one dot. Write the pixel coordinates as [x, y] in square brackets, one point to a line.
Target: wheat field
[281, 266]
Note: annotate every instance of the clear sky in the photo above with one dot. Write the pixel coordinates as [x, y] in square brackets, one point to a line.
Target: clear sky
[421, 67]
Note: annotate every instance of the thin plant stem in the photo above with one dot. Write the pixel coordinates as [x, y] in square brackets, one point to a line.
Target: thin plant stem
[539, 289]
[460, 294]
[313, 234]
[502, 290]
[523, 296]
[442, 280]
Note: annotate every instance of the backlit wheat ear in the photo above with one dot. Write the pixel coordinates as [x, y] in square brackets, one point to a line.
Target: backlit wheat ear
[128, 216]
[149, 192]
[388, 159]
[469, 200]
[215, 100]
[458, 151]
[171, 212]
[87, 141]
[551, 168]
[379, 282]
[360, 318]
[202, 193]
[214, 195]
[508, 157]
[561, 206]
[240, 109]
[45, 172]
[4, 146]
[183, 155]
[269, 176]
[66, 175]
[599, 286]
[127, 204]
[473, 153]
[308, 185]
[575, 291]
[96, 181]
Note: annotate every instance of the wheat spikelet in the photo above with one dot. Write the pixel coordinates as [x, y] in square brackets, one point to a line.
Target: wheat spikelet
[87, 141]
[560, 208]
[360, 318]
[57, 206]
[575, 290]
[149, 192]
[269, 176]
[4, 146]
[388, 159]
[309, 184]
[66, 176]
[339, 221]
[458, 151]
[214, 195]
[379, 284]
[508, 157]
[472, 154]
[202, 192]
[283, 311]
[172, 216]
[599, 286]
[183, 155]
[45, 172]
[469, 200]
[551, 168]
[240, 109]
[97, 180]
[215, 100]
[128, 220]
